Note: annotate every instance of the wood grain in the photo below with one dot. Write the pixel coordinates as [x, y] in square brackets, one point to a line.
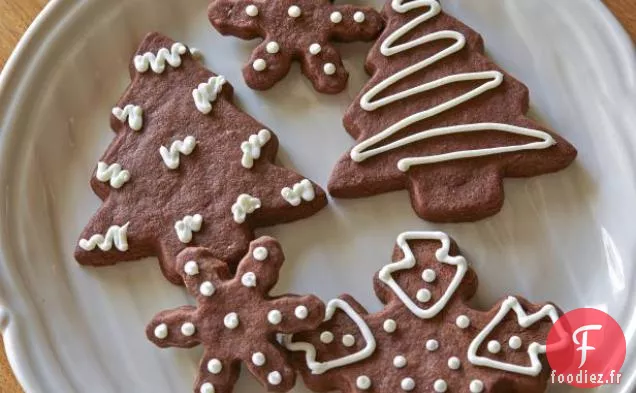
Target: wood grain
[16, 16]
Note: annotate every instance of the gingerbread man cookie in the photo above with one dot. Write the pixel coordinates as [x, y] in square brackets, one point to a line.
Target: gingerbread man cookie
[441, 120]
[186, 168]
[300, 30]
[236, 321]
[427, 339]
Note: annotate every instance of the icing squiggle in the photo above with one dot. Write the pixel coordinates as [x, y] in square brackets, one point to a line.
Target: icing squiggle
[524, 320]
[172, 157]
[245, 204]
[116, 235]
[133, 113]
[251, 148]
[317, 367]
[158, 62]
[205, 94]
[492, 79]
[112, 173]
[409, 262]
[302, 191]
[186, 226]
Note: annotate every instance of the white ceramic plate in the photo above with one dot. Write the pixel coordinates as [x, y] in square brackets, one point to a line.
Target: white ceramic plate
[568, 237]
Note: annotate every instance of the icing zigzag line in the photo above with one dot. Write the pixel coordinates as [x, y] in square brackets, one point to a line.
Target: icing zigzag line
[205, 94]
[133, 113]
[115, 235]
[171, 157]
[112, 173]
[158, 62]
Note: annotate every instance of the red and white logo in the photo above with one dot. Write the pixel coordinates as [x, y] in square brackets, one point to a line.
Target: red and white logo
[586, 348]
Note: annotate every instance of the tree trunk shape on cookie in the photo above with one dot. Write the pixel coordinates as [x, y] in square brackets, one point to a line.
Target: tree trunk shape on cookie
[186, 168]
[441, 120]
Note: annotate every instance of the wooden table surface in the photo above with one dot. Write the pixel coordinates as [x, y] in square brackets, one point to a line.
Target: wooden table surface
[16, 15]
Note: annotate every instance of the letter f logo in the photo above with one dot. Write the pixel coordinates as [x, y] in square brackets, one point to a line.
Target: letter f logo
[584, 348]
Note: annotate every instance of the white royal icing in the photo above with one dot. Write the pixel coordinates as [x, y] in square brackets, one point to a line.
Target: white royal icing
[259, 359]
[274, 317]
[132, 113]
[207, 288]
[206, 93]
[251, 10]
[515, 342]
[158, 62]
[196, 53]
[171, 157]
[329, 69]
[191, 268]
[326, 337]
[245, 204]
[251, 148]
[188, 329]
[301, 312]
[407, 384]
[524, 320]
[294, 11]
[272, 47]
[409, 261]
[494, 346]
[423, 295]
[260, 253]
[112, 173]
[115, 235]
[317, 367]
[454, 363]
[259, 65]
[207, 388]
[366, 149]
[249, 280]
[335, 17]
[231, 320]
[215, 366]
[315, 48]
[274, 378]
[186, 226]
[348, 340]
[399, 361]
[432, 345]
[440, 386]
[476, 386]
[363, 382]
[389, 326]
[161, 331]
[358, 17]
[462, 322]
[429, 275]
[302, 191]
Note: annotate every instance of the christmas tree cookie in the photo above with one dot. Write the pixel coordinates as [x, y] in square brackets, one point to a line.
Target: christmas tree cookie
[186, 168]
[426, 338]
[441, 120]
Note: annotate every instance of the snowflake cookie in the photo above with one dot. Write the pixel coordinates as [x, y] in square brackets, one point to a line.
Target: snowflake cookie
[427, 339]
[186, 168]
[441, 120]
[236, 321]
[300, 30]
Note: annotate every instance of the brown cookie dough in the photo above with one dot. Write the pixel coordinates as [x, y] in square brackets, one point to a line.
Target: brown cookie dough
[300, 30]
[186, 168]
[441, 120]
[426, 338]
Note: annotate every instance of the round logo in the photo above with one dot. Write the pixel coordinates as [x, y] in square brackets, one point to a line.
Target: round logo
[586, 348]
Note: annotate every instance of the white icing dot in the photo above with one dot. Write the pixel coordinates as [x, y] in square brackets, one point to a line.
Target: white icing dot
[259, 359]
[215, 366]
[440, 386]
[259, 65]
[462, 321]
[494, 346]
[336, 17]
[348, 340]
[515, 342]
[301, 312]
[231, 320]
[207, 288]
[274, 317]
[389, 326]
[423, 295]
[358, 16]
[260, 253]
[294, 11]
[407, 384]
[329, 68]
[399, 361]
[191, 268]
[272, 47]
[274, 378]
[161, 331]
[315, 48]
[249, 279]
[251, 10]
[476, 386]
[326, 337]
[207, 388]
[432, 345]
[363, 382]
[454, 363]
[188, 329]
[429, 275]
